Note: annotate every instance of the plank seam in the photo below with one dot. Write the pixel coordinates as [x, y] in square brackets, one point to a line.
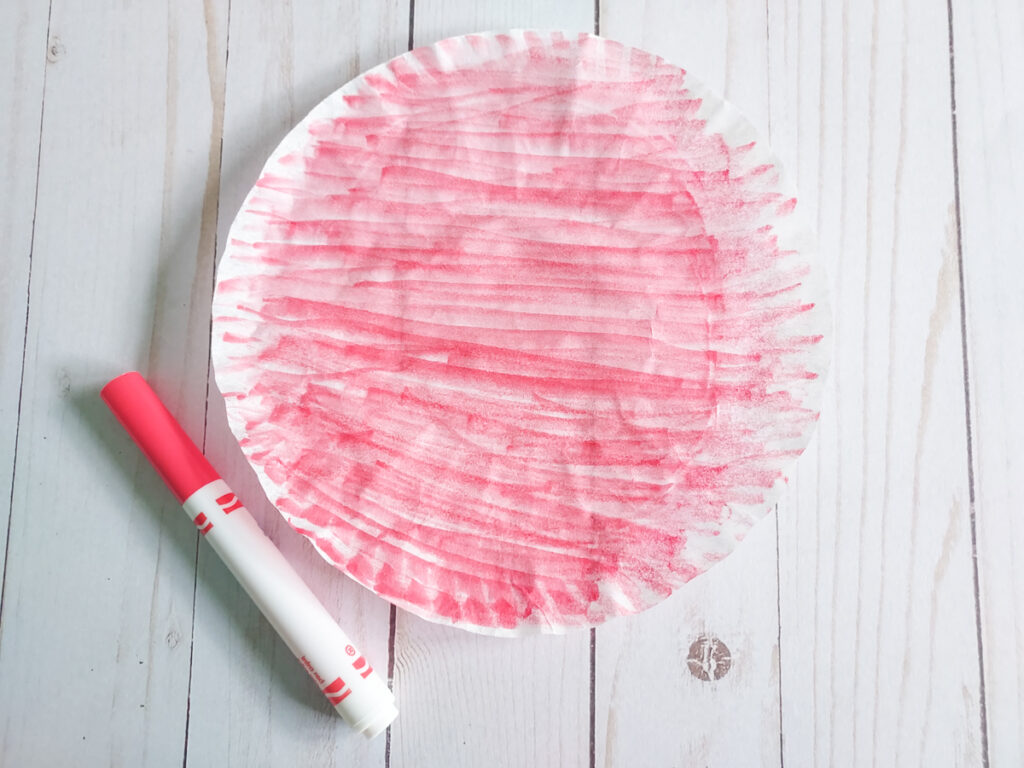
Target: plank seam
[209, 368]
[412, 21]
[593, 630]
[778, 610]
[392, 623]
[983, 713]
[24, 339]
[393, 614]
[593, 700]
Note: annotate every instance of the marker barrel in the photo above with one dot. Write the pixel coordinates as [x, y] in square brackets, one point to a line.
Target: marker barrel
[344, 675]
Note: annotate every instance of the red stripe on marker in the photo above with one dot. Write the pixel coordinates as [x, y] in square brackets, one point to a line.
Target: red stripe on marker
[336, 700]
[336, 686]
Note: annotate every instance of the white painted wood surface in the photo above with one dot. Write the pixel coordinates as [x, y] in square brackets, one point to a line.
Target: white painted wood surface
[97, 610]
[879, 653]
[853, 619]
[990, 126]
[650, 709]
[22, 35]
[249, 704]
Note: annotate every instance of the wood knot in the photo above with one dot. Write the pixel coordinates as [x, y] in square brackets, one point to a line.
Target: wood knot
[708, 658]
[55, 50]
[64, 383]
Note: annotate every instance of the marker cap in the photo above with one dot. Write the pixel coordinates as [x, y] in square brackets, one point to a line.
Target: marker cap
[180, 463]
[378, 721]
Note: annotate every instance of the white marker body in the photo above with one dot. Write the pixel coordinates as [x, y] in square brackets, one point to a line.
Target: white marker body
[342, 672]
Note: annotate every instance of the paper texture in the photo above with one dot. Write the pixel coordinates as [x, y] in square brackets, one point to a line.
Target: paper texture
[521, 331]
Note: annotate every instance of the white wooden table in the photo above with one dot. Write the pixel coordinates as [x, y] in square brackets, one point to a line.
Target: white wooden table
[878, 619]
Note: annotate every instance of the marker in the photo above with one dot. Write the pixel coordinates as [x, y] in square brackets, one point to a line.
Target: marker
[347, 680]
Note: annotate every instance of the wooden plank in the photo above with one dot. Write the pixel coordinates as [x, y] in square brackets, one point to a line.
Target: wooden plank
[879, 660]
[473, 700]
[94, 648]
[989, 61]
[651, 707]
[23, 57]
[251, 703]
[878, 650]
[694, 680]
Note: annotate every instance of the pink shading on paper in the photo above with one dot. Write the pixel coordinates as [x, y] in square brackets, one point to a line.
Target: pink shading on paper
[520, 330]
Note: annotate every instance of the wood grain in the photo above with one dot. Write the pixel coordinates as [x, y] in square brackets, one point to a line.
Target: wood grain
[472, 700]
[879, 658]
[94, 649]
[645, 691]
[437, 19]
[23, 47]
[987, 39]
[251, 704]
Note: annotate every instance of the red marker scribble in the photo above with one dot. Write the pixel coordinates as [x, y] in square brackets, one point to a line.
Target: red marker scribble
[513, 334]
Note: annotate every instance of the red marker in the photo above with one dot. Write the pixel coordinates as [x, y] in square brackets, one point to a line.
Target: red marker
[347, 680]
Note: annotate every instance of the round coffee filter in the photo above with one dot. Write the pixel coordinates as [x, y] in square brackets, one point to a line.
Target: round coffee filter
[521, 330]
